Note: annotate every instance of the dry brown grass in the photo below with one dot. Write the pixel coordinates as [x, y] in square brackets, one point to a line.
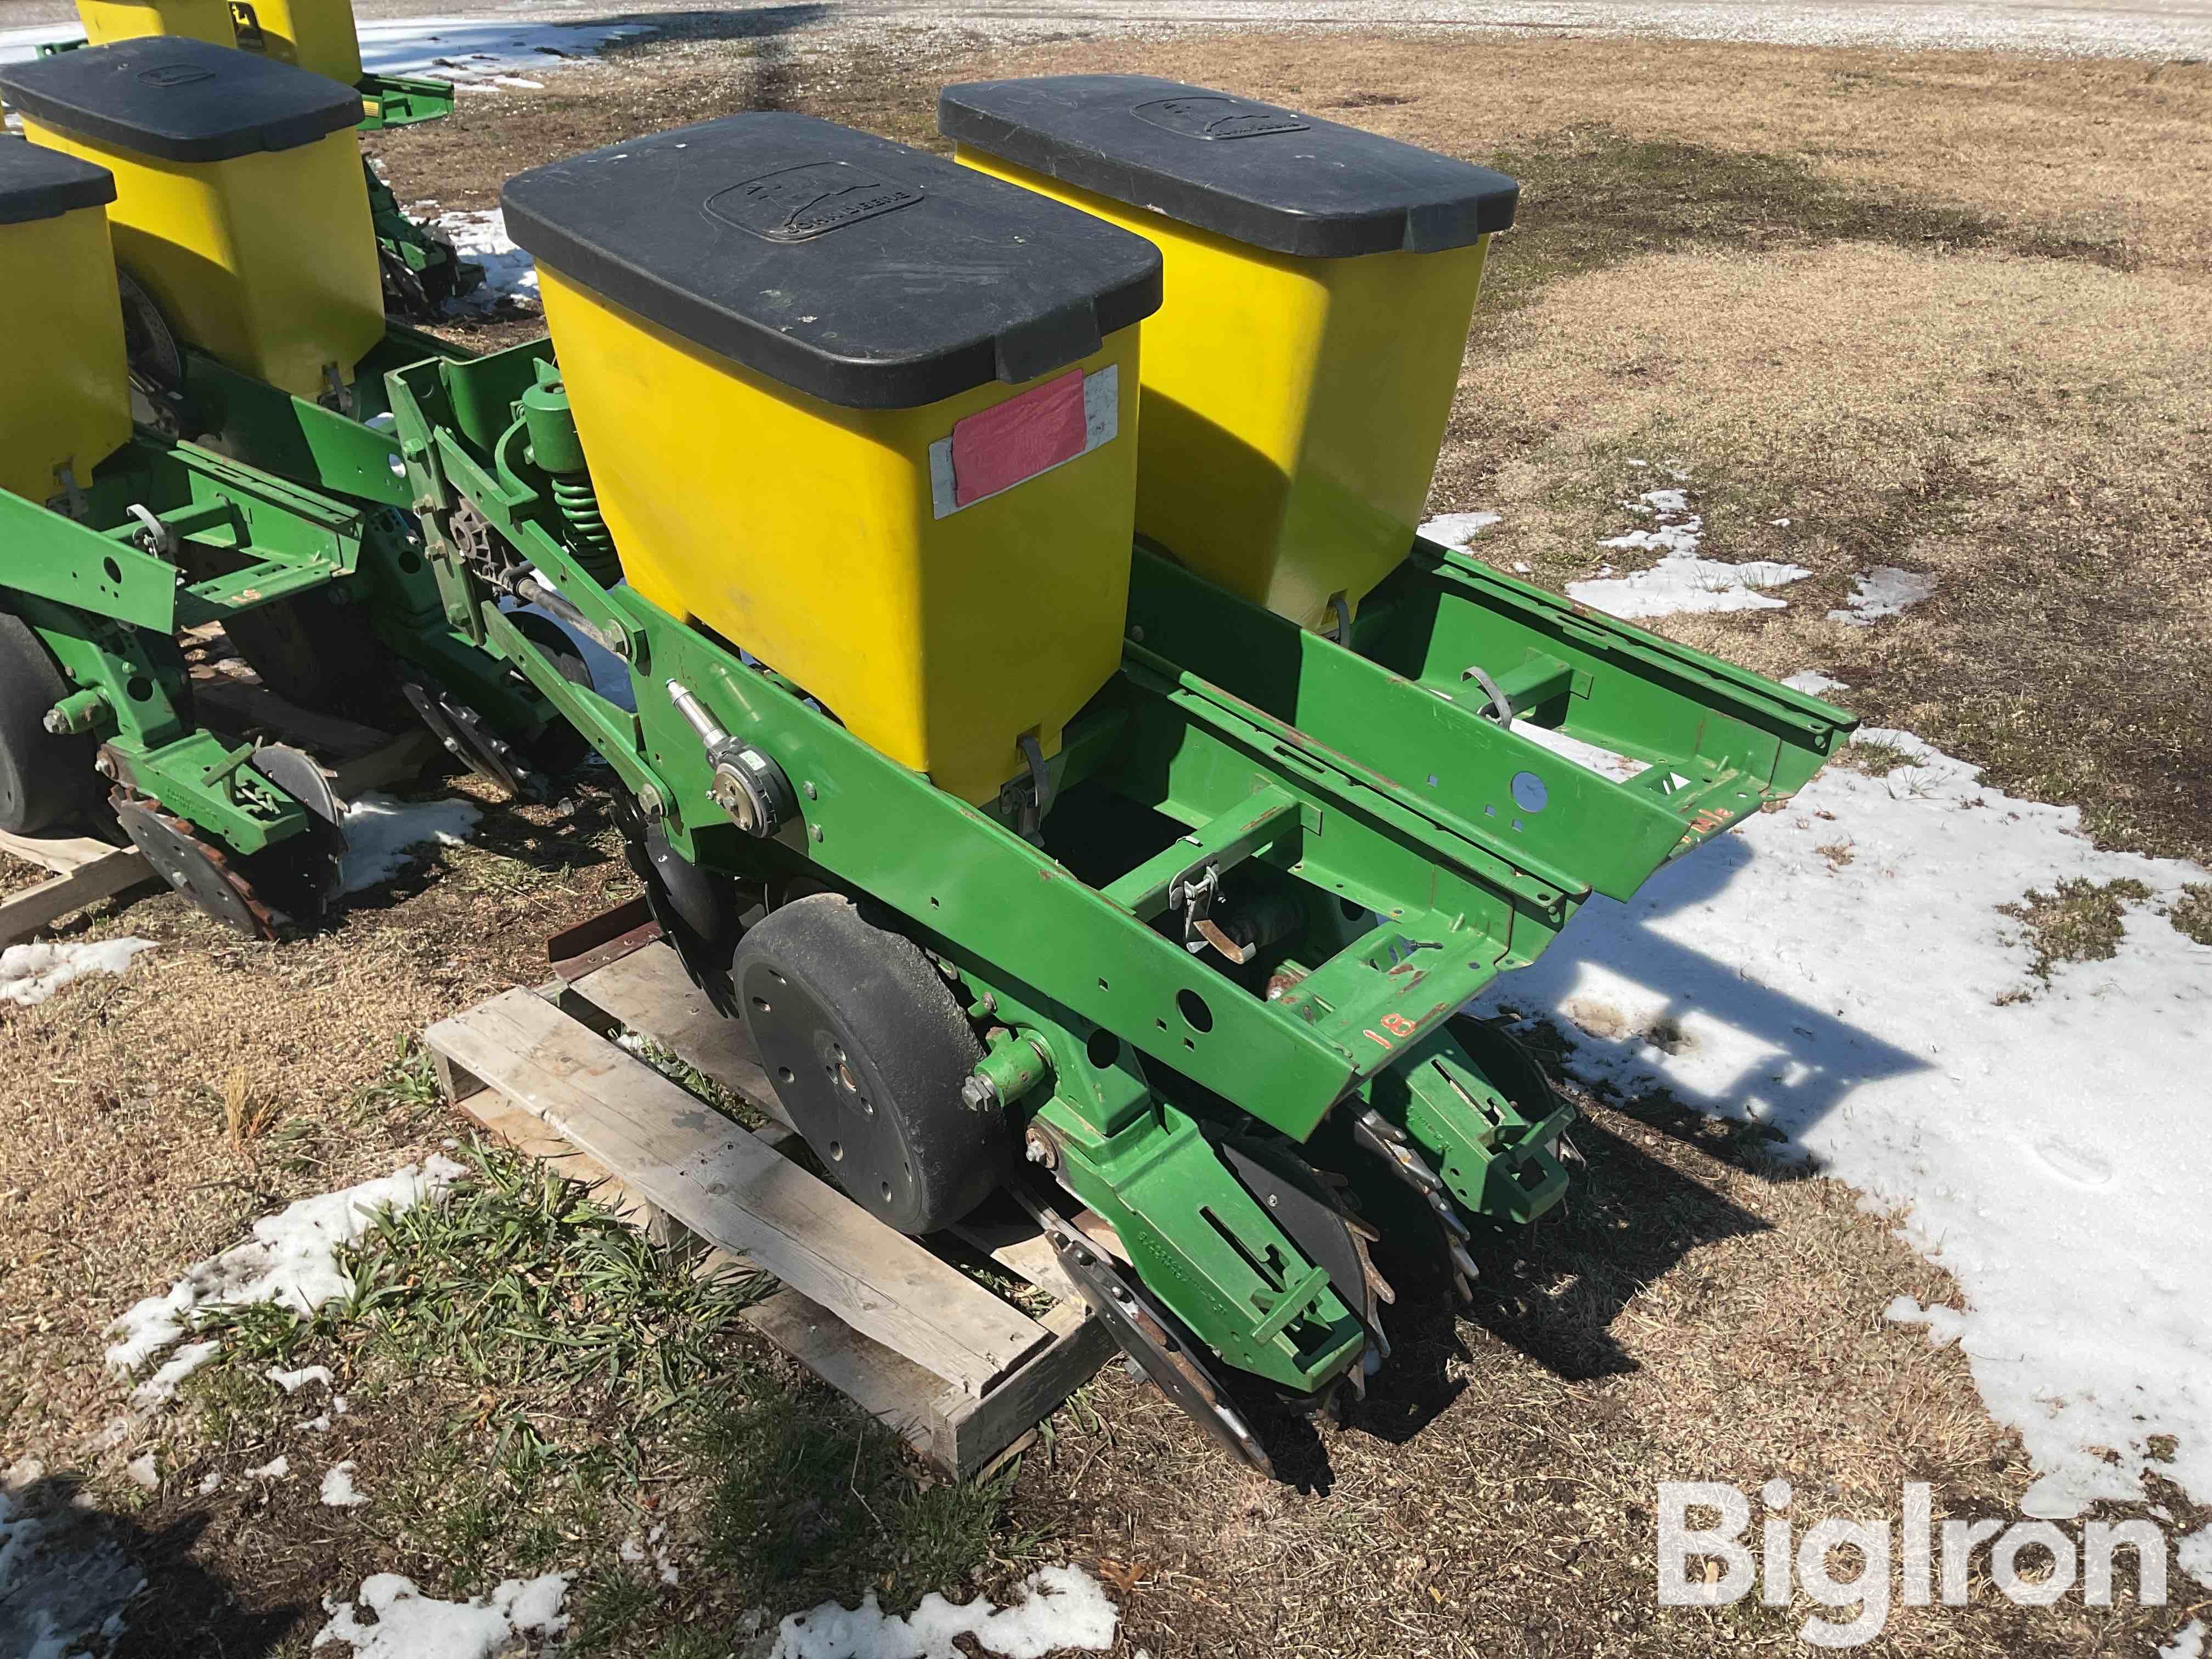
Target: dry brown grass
[1696, 1314]
[2029, 431]
[1944, 310]
[144, 1110]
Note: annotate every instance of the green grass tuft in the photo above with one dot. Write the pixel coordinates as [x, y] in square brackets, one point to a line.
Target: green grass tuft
[2192, 913]
[2078, 920]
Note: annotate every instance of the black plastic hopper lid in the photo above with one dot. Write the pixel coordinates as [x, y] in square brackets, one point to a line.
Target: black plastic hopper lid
[1264, 175]
[38, 183]
[178, 100]
[839, 263]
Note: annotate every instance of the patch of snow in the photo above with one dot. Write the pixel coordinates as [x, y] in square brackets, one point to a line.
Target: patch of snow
[1884, 591]
[1680, 582]
[1619, 767]
[1057, 1607]
[1458, 530]
[2193, 1555]
[210, 1482]
[479, 54]
[318, 1425]
[31, 973]
[293, 1381]
[1779, 524]
[278, 1467]
[337, 1488]
[510, 274]
[2049, 1152]
[2188, 1641]
[1817, 683]
[141, 1472]
[63, 1584]
[162, 1387]
[405, 1624]
[1945, 1325]
[380, 828]
[291, 1259]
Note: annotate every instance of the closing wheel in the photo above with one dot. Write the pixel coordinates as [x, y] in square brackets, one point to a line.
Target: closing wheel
[301, 875]
[196, 868]
[43, 777]
[868, 1051]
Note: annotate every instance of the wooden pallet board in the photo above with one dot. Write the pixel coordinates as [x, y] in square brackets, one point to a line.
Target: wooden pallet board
[85, 872]
[960, 1373]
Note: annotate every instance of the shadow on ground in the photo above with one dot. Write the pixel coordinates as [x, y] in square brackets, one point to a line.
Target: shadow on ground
[81, 1579]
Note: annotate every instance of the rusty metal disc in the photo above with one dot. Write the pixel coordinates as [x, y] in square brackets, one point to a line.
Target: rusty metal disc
[201, 873]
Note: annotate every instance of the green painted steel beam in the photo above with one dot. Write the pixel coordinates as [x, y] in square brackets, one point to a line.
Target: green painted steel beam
[1443, 613]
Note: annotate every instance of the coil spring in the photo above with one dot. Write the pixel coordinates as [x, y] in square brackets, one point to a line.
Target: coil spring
[589, 539]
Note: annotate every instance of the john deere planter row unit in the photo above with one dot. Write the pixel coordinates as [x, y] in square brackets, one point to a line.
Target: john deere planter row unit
[248, 316]
[420, 269]
[1043, 725]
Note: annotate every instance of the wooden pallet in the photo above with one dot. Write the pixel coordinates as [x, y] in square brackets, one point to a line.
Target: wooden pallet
[87, 870]
[961, 1374]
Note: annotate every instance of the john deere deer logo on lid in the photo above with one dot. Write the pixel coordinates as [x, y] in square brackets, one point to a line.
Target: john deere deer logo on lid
[174, 75]
[1215, 116]
[812, 199]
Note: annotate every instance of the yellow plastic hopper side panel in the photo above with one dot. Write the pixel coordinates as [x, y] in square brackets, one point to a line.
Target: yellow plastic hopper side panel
[1293, 408]
[316, 34]
[806, 534]
[267, 262]
[65, 399]
[109, 20]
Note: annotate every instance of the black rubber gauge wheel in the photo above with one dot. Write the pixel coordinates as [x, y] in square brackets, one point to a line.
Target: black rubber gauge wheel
[43, 777]
[868, 1051]
[313, 651]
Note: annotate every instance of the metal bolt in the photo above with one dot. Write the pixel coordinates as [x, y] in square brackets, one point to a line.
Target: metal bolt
[105, 767]
[816, 831]
[650, 802]
[56, 722]
[1038, 1149]
[978, 1093]
[809, 788]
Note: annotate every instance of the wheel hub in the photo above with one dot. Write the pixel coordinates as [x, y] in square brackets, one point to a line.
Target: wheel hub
[832, 1092]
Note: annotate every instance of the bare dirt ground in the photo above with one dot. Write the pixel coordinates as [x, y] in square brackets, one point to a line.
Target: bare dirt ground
[1945, 311]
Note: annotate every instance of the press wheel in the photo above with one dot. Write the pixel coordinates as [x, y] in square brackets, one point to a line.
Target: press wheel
[868, 1051]
[44, 776]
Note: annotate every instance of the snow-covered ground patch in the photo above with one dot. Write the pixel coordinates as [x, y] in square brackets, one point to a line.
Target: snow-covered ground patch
[1458, 530]
[62, 1584]
[477, 54]
[337, 1488]
[1884, 591]
[1056, 1607]
[1607, 762]
[1680, 582]
[1841, 971]
[291, 1259]
[1815, 683]
[510, 274]
[380, 829]
[392, 1620]
[32, 973]
[481, 53]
